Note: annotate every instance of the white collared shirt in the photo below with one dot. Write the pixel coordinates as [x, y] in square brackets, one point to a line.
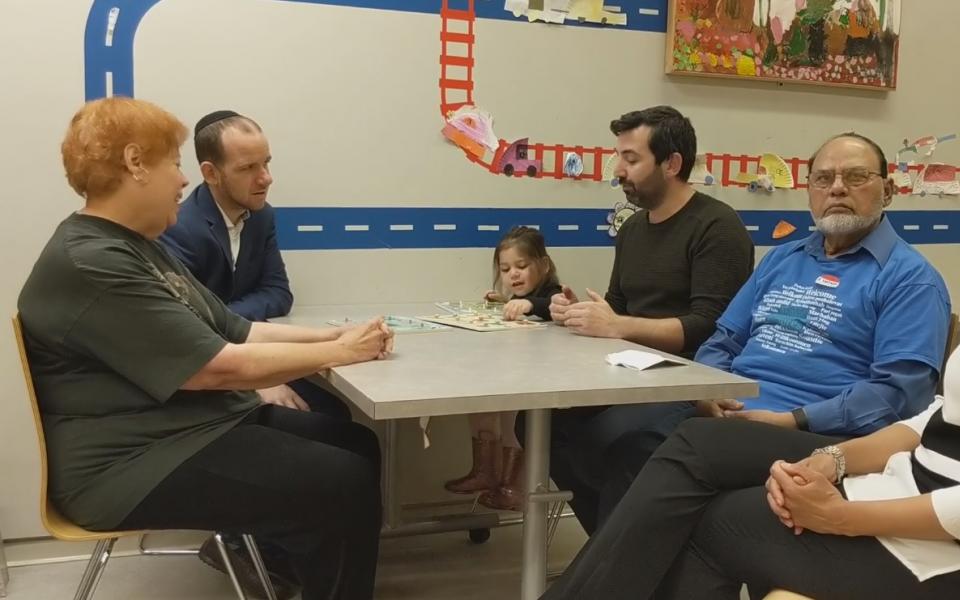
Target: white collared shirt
[233, 232]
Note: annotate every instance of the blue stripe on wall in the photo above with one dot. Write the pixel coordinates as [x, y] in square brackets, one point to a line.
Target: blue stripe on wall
[364, 227]
[493, 9]
[117, 59]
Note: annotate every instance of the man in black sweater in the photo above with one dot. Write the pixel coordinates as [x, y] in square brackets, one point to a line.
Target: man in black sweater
[678, 262]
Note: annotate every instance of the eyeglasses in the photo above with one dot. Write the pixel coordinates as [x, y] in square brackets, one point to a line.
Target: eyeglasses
[852, 177]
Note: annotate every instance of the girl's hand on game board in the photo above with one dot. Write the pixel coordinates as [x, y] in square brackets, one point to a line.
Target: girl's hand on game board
[516, 309]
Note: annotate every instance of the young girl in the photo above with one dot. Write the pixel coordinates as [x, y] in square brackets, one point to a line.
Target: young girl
[525, 278]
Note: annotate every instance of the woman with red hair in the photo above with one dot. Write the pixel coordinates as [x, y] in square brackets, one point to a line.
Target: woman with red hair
[145, 379]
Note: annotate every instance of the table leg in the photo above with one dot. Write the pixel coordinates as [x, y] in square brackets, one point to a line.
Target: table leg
[537, 464]
[4, 574]
[391, 461]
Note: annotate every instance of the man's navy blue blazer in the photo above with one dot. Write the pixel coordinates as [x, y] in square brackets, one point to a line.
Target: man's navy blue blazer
[258, 288]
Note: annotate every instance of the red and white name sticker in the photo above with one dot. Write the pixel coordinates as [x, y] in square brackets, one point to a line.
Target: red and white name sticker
[830, 281]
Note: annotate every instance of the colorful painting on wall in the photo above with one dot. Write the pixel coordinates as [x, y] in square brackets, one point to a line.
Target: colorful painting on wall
[828, 42]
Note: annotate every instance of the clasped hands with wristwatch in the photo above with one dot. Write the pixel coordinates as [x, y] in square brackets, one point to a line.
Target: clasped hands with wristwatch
[803, 495]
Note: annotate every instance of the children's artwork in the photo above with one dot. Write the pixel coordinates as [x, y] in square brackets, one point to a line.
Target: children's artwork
[927, 145]
[901, 176]
[398, 324]
[934, 178]
[462, 140]
[594, 11]
[700, 174]
[572, 164]
[548, 11]
[777, 170]
[772, 173]
[558, 11]
[756, 182]
[609, 167]
[782, 230]
[621, 212]
[471, 129]
[937, 179]
[515, 160]
[853, 43]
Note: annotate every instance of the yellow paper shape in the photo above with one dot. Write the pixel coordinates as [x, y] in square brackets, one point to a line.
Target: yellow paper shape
[589, 10]
[593, 11]
[778, 171]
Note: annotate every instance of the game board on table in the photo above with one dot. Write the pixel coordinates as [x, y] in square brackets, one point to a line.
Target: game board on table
[399, 324]
[477, 316]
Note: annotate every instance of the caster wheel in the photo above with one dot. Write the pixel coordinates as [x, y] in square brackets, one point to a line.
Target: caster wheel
[479, 536]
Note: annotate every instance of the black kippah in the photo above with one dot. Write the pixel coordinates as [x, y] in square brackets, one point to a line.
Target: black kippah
[213, 118]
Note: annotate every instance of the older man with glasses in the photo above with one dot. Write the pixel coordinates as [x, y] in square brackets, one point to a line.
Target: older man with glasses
[845, 330]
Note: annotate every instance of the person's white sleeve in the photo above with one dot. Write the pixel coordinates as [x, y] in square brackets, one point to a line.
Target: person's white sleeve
[919, 422]
[946, 505]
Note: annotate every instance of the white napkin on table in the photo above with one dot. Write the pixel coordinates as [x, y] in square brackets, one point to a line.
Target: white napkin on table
[637, 359]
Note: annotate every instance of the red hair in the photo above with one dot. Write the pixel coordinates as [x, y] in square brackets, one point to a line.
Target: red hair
[100, 131]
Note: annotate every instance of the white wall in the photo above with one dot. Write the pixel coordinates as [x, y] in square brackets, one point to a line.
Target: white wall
[349, 100]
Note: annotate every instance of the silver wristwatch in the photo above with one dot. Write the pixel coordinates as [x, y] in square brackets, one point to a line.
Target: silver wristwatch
[839, 460]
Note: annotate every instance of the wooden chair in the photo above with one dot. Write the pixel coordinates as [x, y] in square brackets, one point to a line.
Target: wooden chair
[62, 529]
[782, 595]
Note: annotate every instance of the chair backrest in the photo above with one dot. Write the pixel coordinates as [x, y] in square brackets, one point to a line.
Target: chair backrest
[55, 523]
[35, 407]
[953, 340]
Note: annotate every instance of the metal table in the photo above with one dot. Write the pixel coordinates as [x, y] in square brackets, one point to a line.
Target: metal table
[461, 372]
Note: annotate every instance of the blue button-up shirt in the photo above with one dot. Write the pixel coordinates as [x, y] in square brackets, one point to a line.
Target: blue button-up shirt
[856, 340]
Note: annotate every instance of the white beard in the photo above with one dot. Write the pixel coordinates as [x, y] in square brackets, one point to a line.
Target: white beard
[846, 224]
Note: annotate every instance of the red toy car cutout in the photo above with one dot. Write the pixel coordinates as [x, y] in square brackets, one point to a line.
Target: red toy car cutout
[514, 160]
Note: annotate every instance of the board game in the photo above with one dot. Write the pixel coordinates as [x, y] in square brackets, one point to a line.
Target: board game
[477, 316]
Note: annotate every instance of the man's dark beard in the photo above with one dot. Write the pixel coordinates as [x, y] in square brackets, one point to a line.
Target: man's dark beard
[650, 194]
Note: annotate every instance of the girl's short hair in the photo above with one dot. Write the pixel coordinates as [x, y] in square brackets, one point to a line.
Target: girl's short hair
[530, 243]
[93, 146]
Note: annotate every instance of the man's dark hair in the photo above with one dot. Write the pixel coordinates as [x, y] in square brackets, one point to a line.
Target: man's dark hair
[850, 134]
[670, 132]
[208, 135]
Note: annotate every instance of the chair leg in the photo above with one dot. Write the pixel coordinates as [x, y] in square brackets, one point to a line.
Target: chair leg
[218, 538]
[95, 568]
[553, 520]
[258, 564]
[144, 551]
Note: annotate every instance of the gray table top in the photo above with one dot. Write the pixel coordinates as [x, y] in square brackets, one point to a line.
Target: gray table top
[459, 371]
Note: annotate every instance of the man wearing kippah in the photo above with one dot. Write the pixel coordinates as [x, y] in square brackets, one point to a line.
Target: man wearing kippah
[225, 235]
[225, 229]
